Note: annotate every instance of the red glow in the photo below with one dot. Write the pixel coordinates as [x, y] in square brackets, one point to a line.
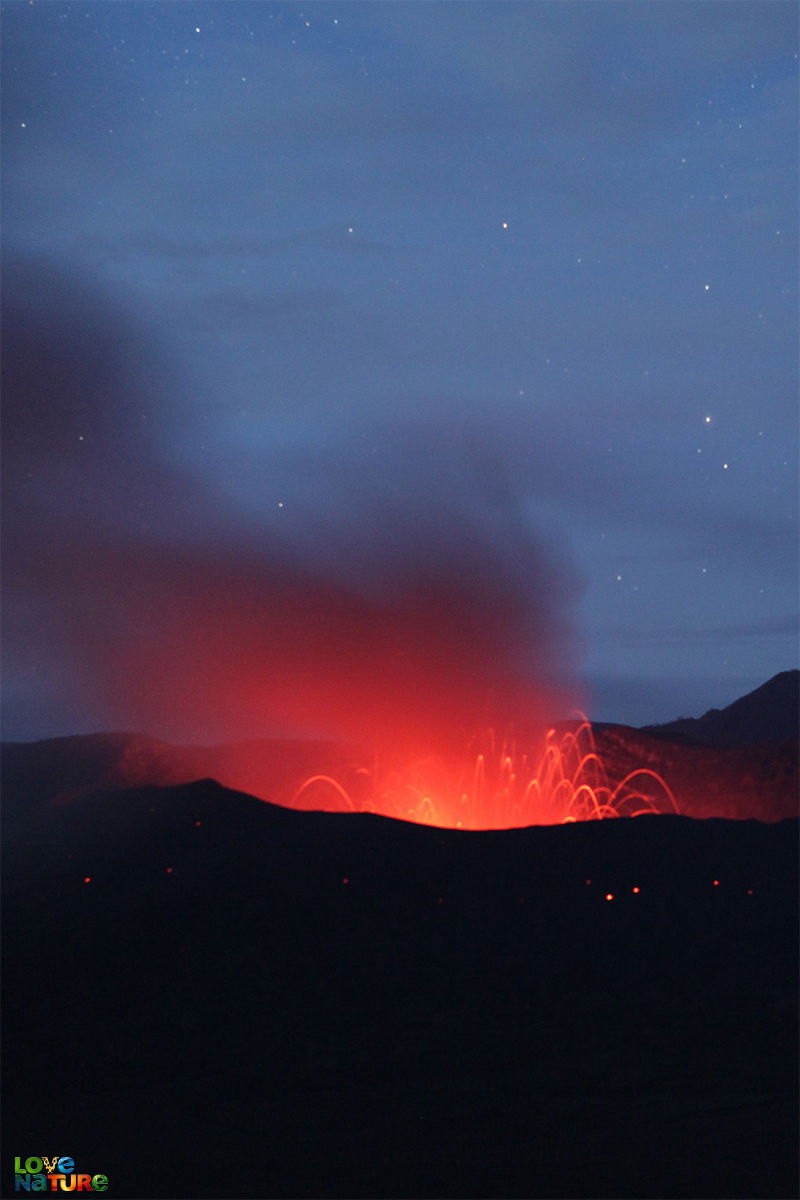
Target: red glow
[609, 895]
[87, 879]
[442, 650]
[498, 788]
[635, 891]
[716, 883]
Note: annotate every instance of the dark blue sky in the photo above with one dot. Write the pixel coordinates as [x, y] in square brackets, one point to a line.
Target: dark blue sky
[495, 302]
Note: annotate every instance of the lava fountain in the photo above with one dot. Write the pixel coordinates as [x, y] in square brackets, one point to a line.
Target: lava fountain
[497, 787]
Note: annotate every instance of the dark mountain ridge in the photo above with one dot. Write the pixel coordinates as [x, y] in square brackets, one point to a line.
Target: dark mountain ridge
[59, 769]
[770, 713]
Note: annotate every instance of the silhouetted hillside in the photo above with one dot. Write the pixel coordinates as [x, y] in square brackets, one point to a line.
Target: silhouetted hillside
[771, 713]
[59, 769]
[344, 1005]
[206, 996]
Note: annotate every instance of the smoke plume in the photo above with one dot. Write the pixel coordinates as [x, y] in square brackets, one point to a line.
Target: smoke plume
[375, 582]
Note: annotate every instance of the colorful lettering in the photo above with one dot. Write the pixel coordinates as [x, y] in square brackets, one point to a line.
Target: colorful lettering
[60, 1176]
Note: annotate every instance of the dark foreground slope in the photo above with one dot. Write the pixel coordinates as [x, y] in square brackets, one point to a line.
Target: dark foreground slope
[249, 1001]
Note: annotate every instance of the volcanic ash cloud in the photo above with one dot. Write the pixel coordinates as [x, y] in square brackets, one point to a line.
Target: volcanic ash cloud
[402, 599]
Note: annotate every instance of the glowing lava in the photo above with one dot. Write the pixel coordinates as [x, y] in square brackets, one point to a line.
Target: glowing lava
[497, 788]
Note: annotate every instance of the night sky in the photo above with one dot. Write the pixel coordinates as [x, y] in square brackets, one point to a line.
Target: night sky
[404, 365]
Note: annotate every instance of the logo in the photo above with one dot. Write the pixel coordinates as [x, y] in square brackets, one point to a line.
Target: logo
[53, 1175]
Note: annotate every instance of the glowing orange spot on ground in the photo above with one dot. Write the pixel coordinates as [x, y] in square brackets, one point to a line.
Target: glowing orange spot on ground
[499, 787]
[87, 879]
[609, 895]
[635, 891]
[716, 883]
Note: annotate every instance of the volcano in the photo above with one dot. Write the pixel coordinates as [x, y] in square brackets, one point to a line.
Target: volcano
[740, 762]
[209, 995]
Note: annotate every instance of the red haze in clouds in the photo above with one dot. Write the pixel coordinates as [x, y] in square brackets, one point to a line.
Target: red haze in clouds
[195, 648]
[145, 600]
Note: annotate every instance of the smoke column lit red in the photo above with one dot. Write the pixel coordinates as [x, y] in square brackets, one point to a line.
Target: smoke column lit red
[411, 607]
